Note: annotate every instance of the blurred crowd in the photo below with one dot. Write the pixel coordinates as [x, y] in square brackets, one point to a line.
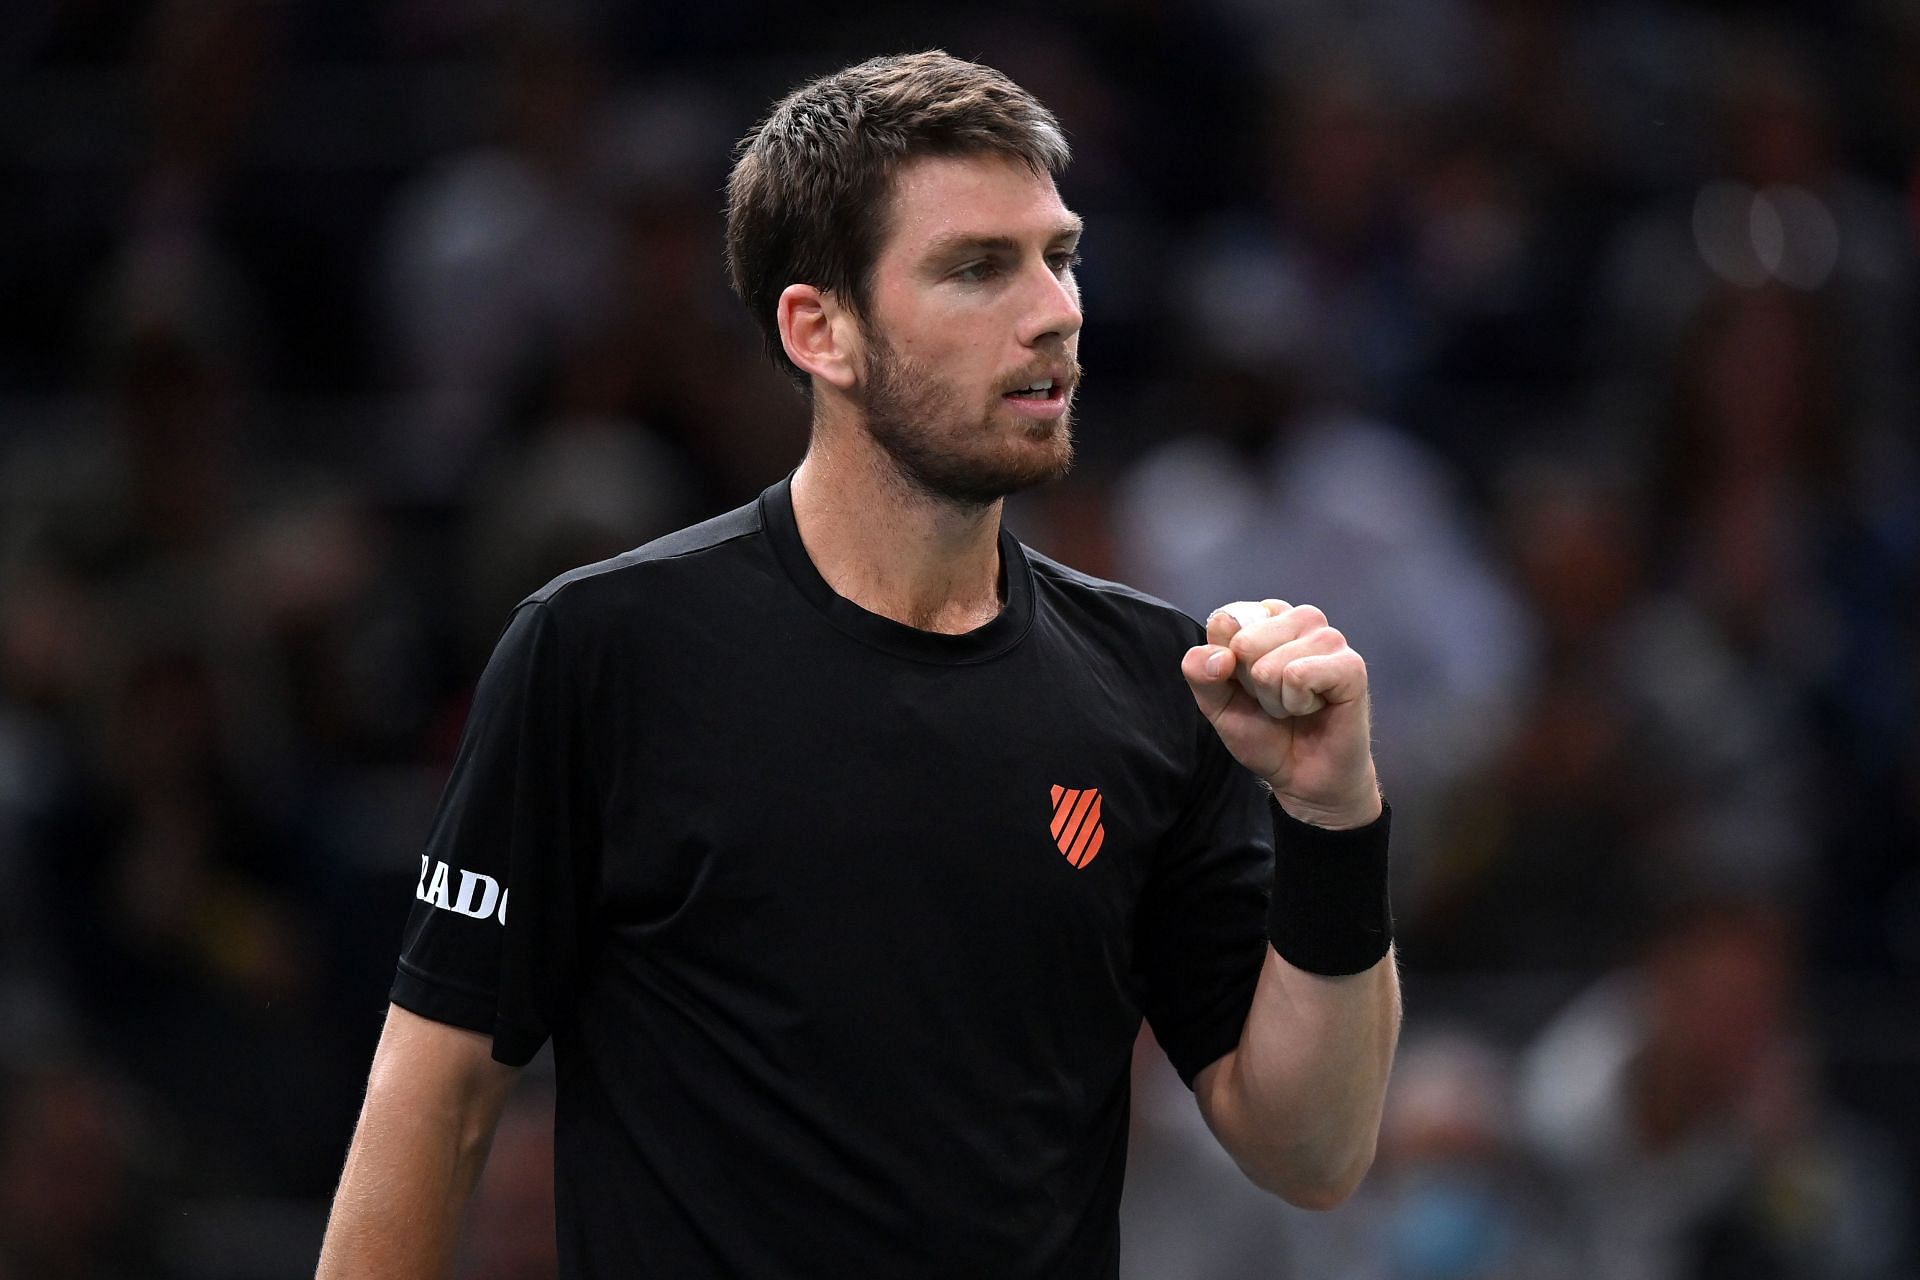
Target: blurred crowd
[1565, 353]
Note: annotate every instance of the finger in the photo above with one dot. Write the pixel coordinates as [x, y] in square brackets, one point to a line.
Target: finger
[1255, 643]
[1265, 671]
[1297, 699]
[1231, 619]
[1332, 679]
[1209, 671]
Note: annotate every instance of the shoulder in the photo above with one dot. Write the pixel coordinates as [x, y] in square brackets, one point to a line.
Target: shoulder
[710, 549]
[1129, 644]
[1081, 598]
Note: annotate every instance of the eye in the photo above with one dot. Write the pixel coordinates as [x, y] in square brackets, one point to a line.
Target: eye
[978, 272]
[1063, 261]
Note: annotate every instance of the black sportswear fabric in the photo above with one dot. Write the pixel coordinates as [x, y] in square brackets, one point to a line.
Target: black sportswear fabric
[842, 931]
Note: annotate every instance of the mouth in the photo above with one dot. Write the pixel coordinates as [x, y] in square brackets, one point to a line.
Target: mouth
[1041, 401]
[1045, 388]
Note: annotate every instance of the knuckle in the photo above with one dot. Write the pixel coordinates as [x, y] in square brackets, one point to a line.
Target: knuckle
[1251, 642]
[1310, 617]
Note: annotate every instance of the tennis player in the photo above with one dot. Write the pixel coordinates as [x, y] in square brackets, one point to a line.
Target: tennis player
[840, 844]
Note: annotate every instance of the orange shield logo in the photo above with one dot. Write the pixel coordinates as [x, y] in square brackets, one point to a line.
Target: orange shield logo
[1076, 824]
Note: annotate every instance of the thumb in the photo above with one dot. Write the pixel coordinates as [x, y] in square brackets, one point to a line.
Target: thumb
[1209, 672]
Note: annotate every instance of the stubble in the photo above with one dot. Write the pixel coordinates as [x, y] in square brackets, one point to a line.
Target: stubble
[943, 449]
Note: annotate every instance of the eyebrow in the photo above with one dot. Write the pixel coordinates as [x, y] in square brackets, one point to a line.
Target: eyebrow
[947, 246]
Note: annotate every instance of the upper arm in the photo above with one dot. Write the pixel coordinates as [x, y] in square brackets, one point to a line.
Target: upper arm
[1217, 1086]
[1200, 931]
[1210, 1086]
[495, 932]
[434, 1099]
[433, 1069]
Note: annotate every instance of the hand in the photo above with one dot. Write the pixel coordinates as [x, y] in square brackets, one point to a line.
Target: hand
[1288, 697]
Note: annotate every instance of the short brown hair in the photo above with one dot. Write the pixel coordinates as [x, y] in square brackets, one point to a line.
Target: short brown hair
[807, 198]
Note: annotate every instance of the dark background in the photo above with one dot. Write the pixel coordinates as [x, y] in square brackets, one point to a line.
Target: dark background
[1564, 352]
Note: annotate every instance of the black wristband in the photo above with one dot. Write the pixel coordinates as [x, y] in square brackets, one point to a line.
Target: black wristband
[1330, 914]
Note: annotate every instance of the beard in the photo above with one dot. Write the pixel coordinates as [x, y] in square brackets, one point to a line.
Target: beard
[941, 450]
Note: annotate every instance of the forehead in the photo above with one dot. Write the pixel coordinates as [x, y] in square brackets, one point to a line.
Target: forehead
[942, 198]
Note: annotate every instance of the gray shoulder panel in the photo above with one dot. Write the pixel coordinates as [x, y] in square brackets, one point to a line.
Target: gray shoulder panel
[1073, 579]
[742, 522]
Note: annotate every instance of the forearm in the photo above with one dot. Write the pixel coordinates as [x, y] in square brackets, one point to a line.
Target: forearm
[1298, 1102]
[417, 1153]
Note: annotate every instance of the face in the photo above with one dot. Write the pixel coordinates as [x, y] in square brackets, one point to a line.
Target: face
[973, 304]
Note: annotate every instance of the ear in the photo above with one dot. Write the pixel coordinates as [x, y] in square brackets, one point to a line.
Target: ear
[819, 334]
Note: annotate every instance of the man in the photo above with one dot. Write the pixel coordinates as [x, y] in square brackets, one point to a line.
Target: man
[840, 843]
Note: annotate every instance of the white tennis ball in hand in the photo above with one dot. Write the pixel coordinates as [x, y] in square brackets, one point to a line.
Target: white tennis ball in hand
[1245, 612]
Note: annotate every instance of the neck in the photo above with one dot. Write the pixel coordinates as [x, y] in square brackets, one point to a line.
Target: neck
[892, 548]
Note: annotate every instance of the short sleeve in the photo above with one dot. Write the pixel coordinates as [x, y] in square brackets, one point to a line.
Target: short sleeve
[493, 938]
[1200, 933]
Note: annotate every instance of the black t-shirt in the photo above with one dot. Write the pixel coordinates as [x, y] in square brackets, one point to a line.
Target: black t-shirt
[842, 930]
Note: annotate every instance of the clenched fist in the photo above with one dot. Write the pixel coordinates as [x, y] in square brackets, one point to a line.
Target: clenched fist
[1288, 697]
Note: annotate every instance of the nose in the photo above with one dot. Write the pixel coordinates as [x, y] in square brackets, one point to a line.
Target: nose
[1052, 310]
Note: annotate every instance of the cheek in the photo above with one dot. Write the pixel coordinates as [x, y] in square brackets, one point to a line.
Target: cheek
[954, 359]
[945, 334]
